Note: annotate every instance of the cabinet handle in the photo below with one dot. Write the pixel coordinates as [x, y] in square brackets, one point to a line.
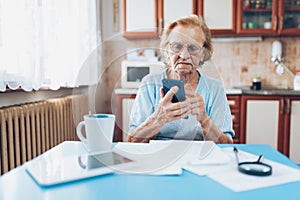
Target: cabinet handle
[231, 102]
[282, 107]
[161, 21]
[281, 23]
[288, 109]
[233, 117]
[276, 22]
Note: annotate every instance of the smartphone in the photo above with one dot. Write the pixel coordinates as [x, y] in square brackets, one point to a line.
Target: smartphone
[169, 83]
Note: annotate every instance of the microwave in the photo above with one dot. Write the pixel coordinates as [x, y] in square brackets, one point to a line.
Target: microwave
[134, 71]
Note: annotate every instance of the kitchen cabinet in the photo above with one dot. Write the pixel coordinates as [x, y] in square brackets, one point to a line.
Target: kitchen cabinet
[140, 18]
[169, 10]
[293, 128]
[261, 120]
[289, 17]
[235, 104]
[268, 17]
[272, 120]
[147, 18]
[123, 102]
[220, 16]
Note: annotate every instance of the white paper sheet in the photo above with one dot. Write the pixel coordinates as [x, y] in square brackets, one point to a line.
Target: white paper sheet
[168, 157]
[151, 159]
[202, 158]
[229, 176]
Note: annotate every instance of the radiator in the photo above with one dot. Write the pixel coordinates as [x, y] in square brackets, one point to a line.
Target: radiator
[28, 130]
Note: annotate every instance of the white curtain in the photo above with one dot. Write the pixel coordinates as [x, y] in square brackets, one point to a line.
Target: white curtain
[46, 43]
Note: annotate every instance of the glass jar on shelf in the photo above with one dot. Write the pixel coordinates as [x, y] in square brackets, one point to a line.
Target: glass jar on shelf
[269, 4]
[261, 4]
[246, 4]
[252, 4]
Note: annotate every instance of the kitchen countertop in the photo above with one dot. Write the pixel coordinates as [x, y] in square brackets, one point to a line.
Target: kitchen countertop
[242, 90]
[126, 90]
[268, 91]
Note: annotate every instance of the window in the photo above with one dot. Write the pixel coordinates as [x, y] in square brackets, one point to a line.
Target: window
[48, 43]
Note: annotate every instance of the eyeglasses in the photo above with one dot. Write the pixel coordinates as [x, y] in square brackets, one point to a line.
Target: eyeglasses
[256, 168]
[177, 47]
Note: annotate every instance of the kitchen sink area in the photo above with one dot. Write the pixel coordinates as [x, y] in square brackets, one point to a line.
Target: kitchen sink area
[268, 90]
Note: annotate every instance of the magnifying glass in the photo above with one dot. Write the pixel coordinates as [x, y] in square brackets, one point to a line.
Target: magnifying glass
[256, 168]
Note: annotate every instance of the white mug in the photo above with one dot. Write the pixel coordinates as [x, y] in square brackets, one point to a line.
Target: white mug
[99, 131]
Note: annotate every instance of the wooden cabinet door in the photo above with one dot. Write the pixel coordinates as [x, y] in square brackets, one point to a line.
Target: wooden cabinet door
[126, 111]
[234, 104]
[255, 18]
[170, 10]
[268, 17]
[262, 120]
[289, 17]
[140, 18]
[220, 16]
[293, 110]
[147, 18]
[122, 108]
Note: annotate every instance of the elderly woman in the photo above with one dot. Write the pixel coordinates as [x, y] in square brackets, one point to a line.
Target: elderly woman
[205, 113]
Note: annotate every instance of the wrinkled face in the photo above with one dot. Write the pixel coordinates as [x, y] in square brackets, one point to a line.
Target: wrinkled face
[185, 48]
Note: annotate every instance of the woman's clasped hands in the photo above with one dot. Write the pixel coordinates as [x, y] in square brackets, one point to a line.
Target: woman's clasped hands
[192, 105]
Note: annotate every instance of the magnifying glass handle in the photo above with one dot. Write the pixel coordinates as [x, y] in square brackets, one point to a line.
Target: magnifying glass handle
[259, 158]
